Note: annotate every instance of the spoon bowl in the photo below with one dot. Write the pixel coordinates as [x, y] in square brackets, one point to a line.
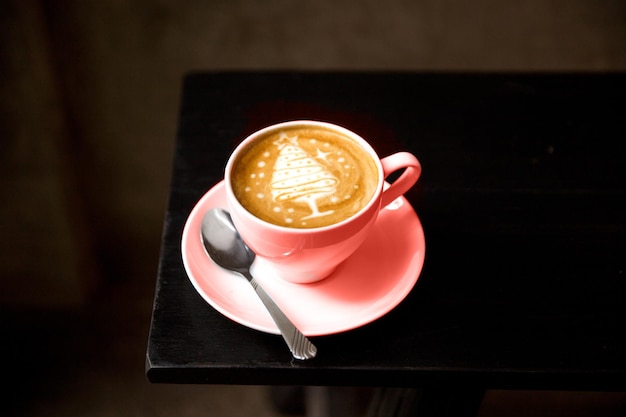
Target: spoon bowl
[223, 243]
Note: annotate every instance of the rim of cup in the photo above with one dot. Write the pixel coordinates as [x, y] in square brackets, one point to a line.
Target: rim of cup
[375, 199]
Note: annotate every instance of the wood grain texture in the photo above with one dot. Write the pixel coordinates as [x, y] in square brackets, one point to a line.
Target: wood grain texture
[523, 208]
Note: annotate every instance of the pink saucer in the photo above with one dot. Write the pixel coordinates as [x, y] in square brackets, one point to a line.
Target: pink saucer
[369, 284]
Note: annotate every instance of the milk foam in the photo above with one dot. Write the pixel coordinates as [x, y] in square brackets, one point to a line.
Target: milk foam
[304, 178]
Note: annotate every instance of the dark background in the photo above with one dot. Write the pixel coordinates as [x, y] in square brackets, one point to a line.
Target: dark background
[89, 95]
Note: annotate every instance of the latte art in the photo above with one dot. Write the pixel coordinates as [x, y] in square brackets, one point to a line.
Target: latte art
[304, 177]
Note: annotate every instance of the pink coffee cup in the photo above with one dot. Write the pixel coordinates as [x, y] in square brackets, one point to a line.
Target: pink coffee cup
[305, 255]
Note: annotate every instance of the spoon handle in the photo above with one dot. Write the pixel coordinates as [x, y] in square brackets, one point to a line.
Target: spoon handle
[300, 346]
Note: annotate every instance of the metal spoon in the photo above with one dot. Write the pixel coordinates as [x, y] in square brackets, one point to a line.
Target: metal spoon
[225, 246]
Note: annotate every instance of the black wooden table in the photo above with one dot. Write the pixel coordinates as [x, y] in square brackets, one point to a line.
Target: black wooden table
[523, 205]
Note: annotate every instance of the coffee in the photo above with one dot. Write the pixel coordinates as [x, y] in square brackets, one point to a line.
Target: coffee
[304, 177]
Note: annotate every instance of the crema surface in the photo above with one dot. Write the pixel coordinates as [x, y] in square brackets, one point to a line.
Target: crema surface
[304, 177]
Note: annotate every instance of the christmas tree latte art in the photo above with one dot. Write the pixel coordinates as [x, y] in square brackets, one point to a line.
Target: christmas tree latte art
[304, 178]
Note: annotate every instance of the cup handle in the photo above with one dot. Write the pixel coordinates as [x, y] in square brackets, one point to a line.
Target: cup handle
[412, 171]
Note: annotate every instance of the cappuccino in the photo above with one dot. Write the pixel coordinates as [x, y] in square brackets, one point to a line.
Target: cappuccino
[304, 177]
